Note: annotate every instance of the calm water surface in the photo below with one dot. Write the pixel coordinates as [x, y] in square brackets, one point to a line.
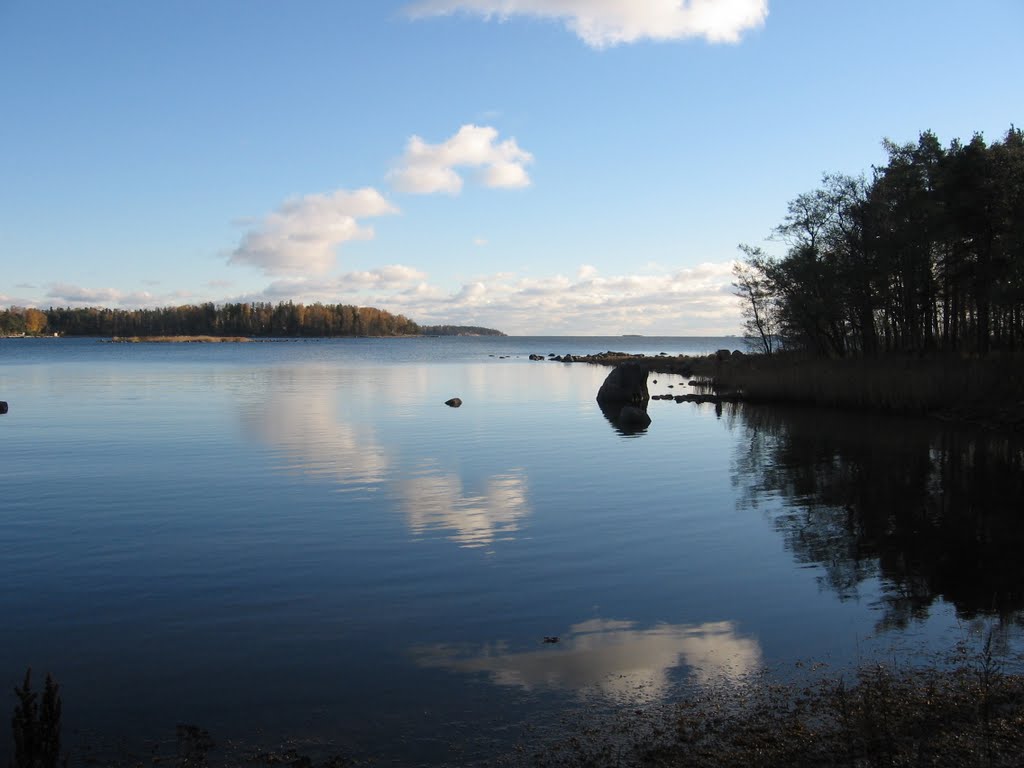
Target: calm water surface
[300, 539]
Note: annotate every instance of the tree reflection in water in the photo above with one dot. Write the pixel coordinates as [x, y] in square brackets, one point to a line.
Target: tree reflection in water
[933, 511]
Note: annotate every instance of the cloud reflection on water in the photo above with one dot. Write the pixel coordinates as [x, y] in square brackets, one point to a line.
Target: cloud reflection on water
[303, 419]
[611, 658]
[438, 502]
[315, 437]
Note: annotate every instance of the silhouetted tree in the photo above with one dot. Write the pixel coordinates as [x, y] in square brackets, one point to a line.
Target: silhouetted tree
[928, 255]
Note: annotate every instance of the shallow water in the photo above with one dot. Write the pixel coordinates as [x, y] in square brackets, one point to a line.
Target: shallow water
[299, 538]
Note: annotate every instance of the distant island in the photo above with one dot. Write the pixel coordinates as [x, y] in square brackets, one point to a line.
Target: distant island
[458, 330]
[210, 322]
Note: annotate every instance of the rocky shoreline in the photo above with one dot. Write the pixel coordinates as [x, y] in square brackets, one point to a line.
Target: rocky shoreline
[982, 392]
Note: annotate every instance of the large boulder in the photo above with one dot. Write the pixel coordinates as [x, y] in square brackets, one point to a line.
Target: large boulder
[625, 385]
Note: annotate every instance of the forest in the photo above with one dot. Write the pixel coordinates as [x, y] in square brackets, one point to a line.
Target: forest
[240, 319]
[923, 257]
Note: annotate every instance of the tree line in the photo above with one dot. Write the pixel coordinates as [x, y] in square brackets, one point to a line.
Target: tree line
[239, 319]
[925, 256]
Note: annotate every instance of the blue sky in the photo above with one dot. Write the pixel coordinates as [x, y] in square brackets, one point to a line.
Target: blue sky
[538, 166]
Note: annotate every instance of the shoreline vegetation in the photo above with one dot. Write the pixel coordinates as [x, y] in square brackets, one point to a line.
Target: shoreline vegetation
[988, 391]
[902, 292]
[963, 708]
[211, 321]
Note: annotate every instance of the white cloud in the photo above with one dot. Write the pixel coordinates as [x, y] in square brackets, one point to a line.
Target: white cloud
[65, 294]
[429, 168]
[328, 289]
[693, 301]
[697, 301]
[303, 234]
[7, 300]
[602, 23]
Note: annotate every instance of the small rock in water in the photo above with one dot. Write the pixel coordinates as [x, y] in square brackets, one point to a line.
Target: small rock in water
[455, 402]
[3, 406]
[550, 639]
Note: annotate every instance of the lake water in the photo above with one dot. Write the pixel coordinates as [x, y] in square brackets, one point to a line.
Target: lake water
[299, 539]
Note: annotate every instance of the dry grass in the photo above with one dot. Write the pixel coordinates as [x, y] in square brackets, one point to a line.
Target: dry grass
[991, 387]
[989, 390]
[972, 715]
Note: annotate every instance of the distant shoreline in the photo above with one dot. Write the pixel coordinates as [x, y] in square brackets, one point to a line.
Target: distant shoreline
[178, 339]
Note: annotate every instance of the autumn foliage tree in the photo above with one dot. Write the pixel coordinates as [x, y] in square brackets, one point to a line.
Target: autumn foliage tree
[236, 319]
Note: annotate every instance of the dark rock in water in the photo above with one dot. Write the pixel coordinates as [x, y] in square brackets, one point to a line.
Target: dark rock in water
[3, 406]
[549, 639]
[626, 384]
[723, 354]
[455, 402]
[568, 359]
[631, 417]
[536, 357]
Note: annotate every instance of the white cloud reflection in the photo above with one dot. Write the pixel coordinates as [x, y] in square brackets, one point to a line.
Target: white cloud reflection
[611, 658]
[434, 501]
[302, 419]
